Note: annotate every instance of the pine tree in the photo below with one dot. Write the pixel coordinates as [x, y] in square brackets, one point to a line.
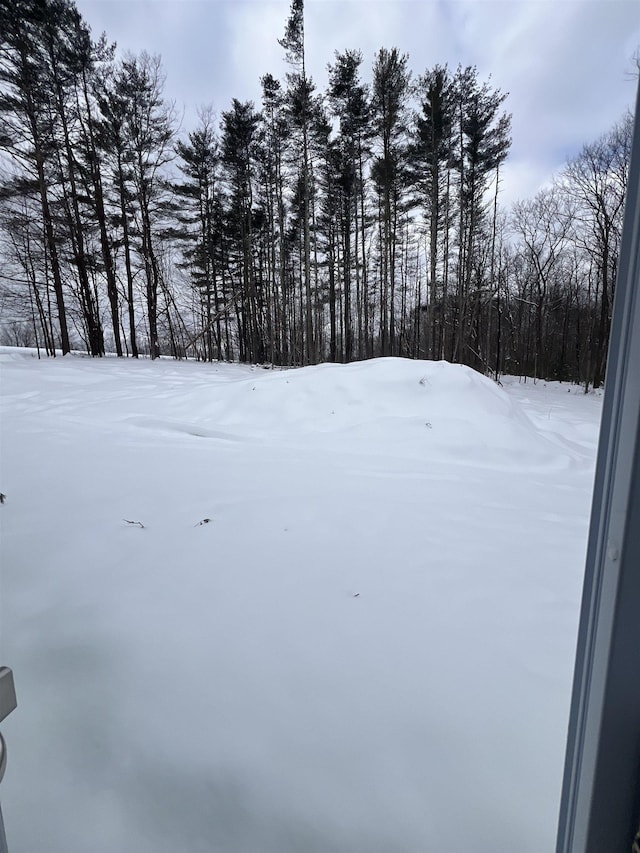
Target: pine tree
[67, 45]
[148, 127]
[391, 79]
[239, 125]
[28, 135]
[349, 99]
[274, 148]
[116, 150]
[483, 142]
[199, 215]
[300, 94]
[430, 155]
[97, 64]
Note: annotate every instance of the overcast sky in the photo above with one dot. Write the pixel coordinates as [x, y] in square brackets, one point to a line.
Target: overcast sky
[567, 64]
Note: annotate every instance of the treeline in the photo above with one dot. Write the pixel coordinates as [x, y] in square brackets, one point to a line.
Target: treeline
[357, 222]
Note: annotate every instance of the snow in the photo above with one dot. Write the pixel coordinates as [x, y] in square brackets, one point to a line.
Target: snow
[369, 645]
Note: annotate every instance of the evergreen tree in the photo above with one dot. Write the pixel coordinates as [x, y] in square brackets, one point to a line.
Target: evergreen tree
[67, 45]
[115, 146]
[300, 108]
[349, 99]
[28, 132]
[273, 152]
[200, 215]
[483, 144]
[148, 125]
[237, 146]
[97, 64]
[391, 78]
[430, 155]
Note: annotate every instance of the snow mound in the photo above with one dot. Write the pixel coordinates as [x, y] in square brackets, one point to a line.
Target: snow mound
[412, 409]
[417, 407]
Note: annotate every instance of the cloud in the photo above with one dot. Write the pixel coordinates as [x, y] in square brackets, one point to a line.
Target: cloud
[563, 62]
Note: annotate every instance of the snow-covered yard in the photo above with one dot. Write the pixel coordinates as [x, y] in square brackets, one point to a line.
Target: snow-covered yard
[345, 622]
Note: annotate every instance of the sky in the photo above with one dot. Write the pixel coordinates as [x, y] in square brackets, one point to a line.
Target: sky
[568, 65]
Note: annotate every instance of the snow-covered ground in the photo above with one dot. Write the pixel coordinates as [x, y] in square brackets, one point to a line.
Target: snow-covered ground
[365, 647]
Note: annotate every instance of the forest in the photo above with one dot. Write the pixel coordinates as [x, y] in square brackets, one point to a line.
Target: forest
[342, 225]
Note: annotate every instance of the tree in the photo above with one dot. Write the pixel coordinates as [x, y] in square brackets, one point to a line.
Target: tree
[299, 108]
[430, 155]
[349, 99]
[148, 136]
[274, 147]
[67, 45]
[596, 180]
[200, 217]
[24, 296]
[97, 63]
[390, 88]
[482, 145]
[115, 148]
[543, 225]
[28, 130]
[239, 126]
